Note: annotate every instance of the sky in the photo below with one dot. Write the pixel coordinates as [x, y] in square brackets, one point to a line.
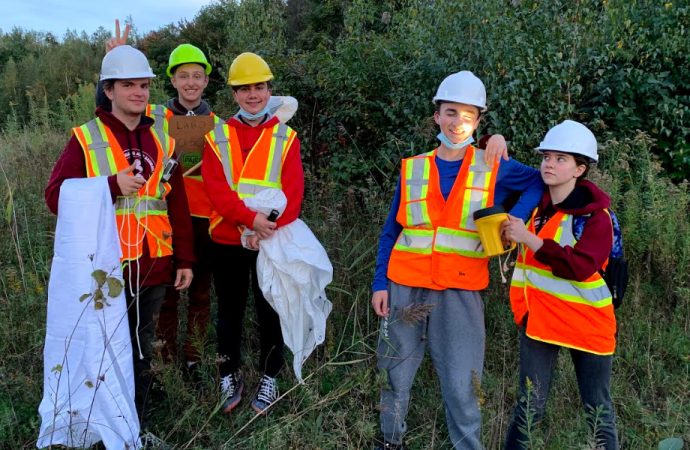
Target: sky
[57, 16]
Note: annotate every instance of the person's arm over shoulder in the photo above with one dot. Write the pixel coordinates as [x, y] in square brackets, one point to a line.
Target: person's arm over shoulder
[292, 179]
[514, 176]
[224, 200]
[71, 164]
[181, 222]
[389, 235]
[587, 256]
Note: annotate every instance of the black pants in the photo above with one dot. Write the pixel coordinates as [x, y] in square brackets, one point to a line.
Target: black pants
[233, 265]
[199, 300]
[593, 372]
[150, 300]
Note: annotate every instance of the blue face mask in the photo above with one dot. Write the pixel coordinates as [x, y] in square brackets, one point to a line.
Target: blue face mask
[460, 145]
[249, 116]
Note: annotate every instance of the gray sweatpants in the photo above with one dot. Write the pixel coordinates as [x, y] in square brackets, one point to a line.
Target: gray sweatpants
[455, 335]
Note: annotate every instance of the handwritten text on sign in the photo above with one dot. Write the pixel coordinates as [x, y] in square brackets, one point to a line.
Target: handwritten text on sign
[188, 132]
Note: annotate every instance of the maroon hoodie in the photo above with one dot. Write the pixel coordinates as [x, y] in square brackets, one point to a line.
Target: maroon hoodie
[141, 150]
[591, 251]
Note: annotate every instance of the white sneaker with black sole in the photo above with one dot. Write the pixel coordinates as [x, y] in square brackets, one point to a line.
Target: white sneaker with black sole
[266, 395]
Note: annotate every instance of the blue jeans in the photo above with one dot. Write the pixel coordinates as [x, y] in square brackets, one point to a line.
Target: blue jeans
[537, 362]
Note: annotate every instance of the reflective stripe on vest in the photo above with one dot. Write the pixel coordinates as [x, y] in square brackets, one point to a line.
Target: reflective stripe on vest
[462, 242]
[593, 293]
[141, 206]
[415, 241]
[219, 139]
[476, 190]
[167, 146]
[143, 216]
[101, 157]
[416, 174]
[574, 314]
[161, 116]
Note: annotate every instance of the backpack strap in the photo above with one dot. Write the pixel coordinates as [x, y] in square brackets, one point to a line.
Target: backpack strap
[616, 271]
[579, 223]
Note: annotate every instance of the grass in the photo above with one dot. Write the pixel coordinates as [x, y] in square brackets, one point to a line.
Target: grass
[336, 407]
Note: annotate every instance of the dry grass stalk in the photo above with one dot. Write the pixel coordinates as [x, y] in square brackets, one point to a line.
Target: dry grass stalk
[415, 313]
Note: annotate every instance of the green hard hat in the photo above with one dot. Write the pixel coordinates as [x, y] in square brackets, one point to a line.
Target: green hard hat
[187, 54]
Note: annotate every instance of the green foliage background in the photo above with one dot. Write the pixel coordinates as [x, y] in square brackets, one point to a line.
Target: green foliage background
[364, 72]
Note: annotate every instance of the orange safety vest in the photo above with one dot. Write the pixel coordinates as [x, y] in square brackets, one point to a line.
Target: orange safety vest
[197, 199]
[160, 115]
[439, 247]
[144, 216]
[261, 170]
[574, 314]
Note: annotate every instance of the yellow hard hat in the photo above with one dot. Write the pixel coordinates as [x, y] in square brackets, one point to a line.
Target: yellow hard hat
[249, 68]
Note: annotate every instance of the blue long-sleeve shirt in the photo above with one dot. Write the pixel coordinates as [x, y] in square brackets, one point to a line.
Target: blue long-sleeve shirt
[512, 177]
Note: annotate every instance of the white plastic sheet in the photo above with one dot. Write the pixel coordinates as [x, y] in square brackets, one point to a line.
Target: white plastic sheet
[283, 107]
[88, 393]
[293, 272]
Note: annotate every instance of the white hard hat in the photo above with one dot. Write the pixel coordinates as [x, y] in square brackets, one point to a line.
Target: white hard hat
[571, 137]
[462, 87]
[125, 62]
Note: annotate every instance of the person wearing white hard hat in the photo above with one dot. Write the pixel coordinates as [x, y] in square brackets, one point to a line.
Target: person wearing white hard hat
[558, 295]
[154, 226]
[430, 260]
[188, 70]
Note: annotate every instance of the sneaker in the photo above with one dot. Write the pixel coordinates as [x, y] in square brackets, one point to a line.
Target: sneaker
[231, 391]
[266, 395]
[151, 441]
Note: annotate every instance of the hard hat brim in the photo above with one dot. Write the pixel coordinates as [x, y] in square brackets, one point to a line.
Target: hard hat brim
[127, 76]
[436, 99]
[249, 80]
[207, 67]
[551, 148]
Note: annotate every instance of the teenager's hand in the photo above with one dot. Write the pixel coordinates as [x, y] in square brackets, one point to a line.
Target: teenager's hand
[253, 242]
[183, 278]
[117, 40]
[128, 184]
[496, 148]
[263, 227]
[379, 301]
[514, 229]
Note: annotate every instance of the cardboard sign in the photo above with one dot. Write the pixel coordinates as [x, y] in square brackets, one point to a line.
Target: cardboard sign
[188, 132]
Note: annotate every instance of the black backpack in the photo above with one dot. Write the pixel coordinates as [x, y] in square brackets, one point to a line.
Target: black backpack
[616, 273]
